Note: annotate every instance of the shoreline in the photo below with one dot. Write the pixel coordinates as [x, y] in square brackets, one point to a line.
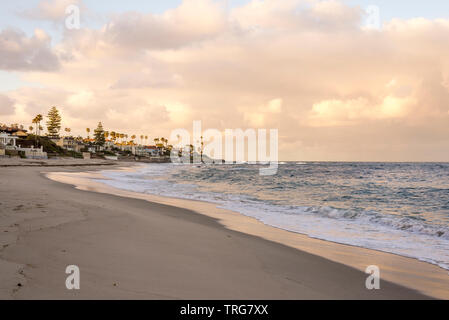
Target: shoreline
[399, 269]
[131, 248]
[159, 198]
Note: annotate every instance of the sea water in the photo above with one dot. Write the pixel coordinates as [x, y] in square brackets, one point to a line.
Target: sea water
[401, 208]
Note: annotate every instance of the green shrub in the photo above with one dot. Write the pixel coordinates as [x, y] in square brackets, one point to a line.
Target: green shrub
[51, 148]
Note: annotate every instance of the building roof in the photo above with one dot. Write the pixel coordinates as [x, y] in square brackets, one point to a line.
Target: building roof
[20, 133]
[6, 135]
[11, 129]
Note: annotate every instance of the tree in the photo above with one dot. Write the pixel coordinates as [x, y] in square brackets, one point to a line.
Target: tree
[30, 128]
[54, 122]
[99, 135]
[146, 139]
[88, 131]
[202, 149]
[68, 130]
[37, 120]
[37, 125]
[191, 152]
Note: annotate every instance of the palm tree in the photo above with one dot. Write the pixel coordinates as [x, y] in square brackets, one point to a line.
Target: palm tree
[156, 141]
[37, 120]
[191, 149]
[141, 139]
[30, 128]
[146, 139]
[68, 130]
[88, 131]
[36, 123]
[201, 149]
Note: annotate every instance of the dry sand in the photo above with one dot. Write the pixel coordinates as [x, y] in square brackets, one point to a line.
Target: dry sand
[136, 249]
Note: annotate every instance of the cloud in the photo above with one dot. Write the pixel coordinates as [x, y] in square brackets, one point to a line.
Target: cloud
[297, 15]
[308, 68]
[148, 78]
[353, 111]
[259, 116]
[192, 21]
[51, 10]
[6, 105]
[22, 53]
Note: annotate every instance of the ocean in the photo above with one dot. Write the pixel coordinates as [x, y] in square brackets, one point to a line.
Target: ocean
[401, 208]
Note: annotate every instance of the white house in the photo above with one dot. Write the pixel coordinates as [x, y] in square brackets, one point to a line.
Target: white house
[7, 141]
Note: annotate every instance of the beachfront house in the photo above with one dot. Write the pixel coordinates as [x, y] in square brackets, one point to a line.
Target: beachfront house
[21, 134]
[147, 151]
[109, 144]
[8, 141]
[70, 143]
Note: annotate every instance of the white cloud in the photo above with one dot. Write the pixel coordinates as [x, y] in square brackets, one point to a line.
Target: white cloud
[19, 52]
[192, 21]
[337, 112]
[307, 68]
[6, 105]
[51, 10]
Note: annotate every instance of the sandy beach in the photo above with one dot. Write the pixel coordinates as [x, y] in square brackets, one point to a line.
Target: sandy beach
[130, 248]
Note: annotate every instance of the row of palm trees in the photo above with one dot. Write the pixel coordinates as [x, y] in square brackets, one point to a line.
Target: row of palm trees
[38, 127]
[114, 136]
[161, 142]
[37, 122]
[123, 137]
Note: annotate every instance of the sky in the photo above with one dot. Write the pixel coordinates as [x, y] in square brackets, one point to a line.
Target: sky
[335, 85]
